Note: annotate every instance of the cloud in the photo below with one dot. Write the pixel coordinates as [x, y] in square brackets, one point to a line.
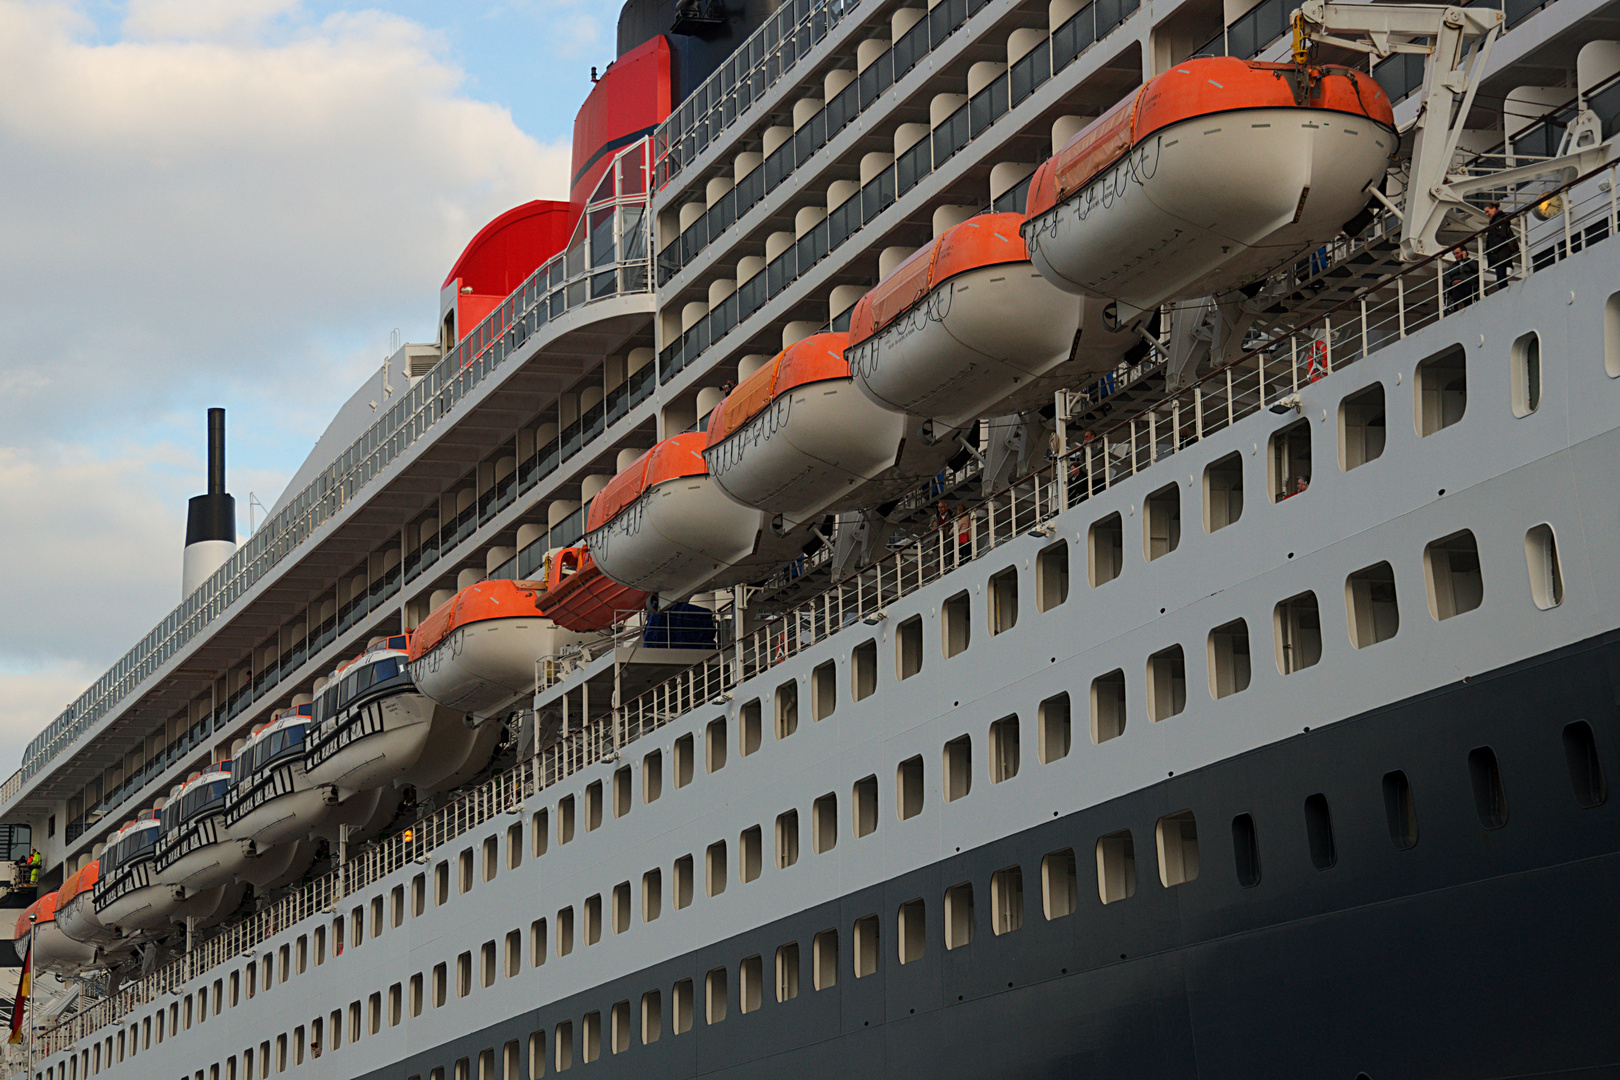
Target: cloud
[203, 20]
[34, 697]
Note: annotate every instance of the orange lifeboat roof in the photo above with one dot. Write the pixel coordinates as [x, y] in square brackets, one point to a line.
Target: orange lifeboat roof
[982, 240]
[81, 880]
[815, 359]
[44, 908]
[499, 599]
[580, 597]
[681, 455]
[1197, 88]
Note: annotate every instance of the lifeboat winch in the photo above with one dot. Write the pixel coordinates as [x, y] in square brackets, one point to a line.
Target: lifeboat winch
[1210, 177]
[476, 652]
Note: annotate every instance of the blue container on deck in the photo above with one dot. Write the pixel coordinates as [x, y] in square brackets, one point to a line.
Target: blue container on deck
[683, 626]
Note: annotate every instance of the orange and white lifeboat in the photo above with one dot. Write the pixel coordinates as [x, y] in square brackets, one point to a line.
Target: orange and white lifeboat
[961, 324]
[580, 597]
[663, 525]
[1208, 178]
[798, 438]
[475, 653]
[53, 950]
[76, 910]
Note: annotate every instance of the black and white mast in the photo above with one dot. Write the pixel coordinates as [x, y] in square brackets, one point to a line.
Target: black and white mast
[211, 518]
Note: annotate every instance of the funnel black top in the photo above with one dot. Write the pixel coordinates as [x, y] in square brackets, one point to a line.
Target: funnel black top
[213, 516]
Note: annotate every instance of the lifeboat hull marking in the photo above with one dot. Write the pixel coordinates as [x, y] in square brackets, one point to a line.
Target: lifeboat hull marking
[484, 665]
[970, 343]
[380, 746]
[206, 866]
[808, 451]
[676, 538]
[79, 921]
[1209, 204]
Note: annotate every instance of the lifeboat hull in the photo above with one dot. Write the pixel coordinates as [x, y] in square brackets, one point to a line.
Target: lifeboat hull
[677, 538]
[154, 908]
[809, 452]
[285, 818]
[484, 666]
[971, 342]
[79, 921]
[206, 866]
[385, 745]
[1210, 204]
[456, 752]
[55, 951]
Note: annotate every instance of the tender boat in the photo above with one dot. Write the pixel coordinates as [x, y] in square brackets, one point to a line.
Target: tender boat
[53, 949]
[579, 596]
[129, 895]
[664, 525]
[1208, 178]
[476, 652]
[195, 851]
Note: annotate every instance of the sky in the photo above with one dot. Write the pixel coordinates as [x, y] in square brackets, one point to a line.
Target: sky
[226, 203]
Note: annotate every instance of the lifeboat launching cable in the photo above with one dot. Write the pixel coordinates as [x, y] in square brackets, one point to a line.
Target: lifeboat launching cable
[665, 526]
[475, 653]
[1210, 177]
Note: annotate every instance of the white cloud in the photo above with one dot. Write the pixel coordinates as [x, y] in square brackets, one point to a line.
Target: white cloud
[34, 697]
[203, 20]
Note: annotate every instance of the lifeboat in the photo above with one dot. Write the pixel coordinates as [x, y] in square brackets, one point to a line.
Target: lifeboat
[664, 526]
[580, 597]
[129, 896]
[961, 324]
[374, 729]
[53, 950]
[798, 438]
[273, 807]
[475, 653]
[195, 851]
[76, 911]
[1210, 177]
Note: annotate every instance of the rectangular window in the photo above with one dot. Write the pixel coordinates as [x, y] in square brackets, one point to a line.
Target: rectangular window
[824, 824]
[464, 882]
[1246, 851]
[911, 931]
[565, 931]
[714, 996]
[537, 943]
[621, 791]
[1003, 588]
[621, 907]
[652, 1018]
[464, 975]
[1490, 797]
[959, 915]
[565, 819]
[487, 963]
[1585, 769]
[1004, 749]
[1319, 832]
[957, 768]
[683, 882]
[1451, 567]
[1298, 628]
[750, 975]
[1369, 597]
[750, 854]
[1440, 391]
[748, 723]
[591, 1036]
[1362, 427]
[908, 782]
[441, 985]
[1229, 659]
[1166, 683]
[1399, 813]
[593, 919]
[1177, 839]
[865, 799]
[619, 1024]
[866, 946]
[1105, 550]
[787, 709]
[714, 868]
[1116, 866]
[683, 761]
[908, 647]
[823, 690]
[374, 1013]
[787, 839]
[1052, 576]
[1290, 461]
[787, 971]
[1108, 706]
[492, 858]
[1611, 335]
[681, 1006]
[562, 1045]
[396, 1003]
[714, 745]
[1223, 492]
[540, 832]
[1546, 578]
[593, 806]
[863, 671]
[652, 776]
[416, 995]
[1060, 889]
[1007, 900]
[537, 1055]
[955, 624]
[302, 953]
[1161, 522]
[824, 959]
[652, 895]
[397, 904]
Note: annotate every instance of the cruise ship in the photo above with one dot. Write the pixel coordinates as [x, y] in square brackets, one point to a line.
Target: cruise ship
[988, 538]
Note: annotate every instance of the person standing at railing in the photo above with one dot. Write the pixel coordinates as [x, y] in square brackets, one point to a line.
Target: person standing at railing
[1461, 280]
[1501, 244]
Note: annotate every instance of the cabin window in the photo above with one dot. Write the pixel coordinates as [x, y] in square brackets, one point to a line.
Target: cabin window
[303, 955]
[1177, 838]
[1105, 546]
[593, 806]
[908, 782]
[1451, 567]
[1440, 390]
[955, 624]
[539, 832]
[1166, 683]
[1319, 832]
[1611, 335]
[565, 819]
[823, 690]
[1526, 370]
[750, 854]
[487, 964]
[652, 776]
[1116, 866]
[1223, 492]
[1108, 706]
[1229, 659]
[1369, 599]
[866, 946]
[1585, 769]
[395, 1004]
[591, 1032]
[865, 800]
[908, 647]
[1546, 577]
[464, 975]
[824, 959]
[1490, 797]
[537, 943]
[619, 1025]
[1399, 813]
[537, 1054]
[593, 918]
[787, 839]
[748, 738]
[1007, 900]
[824, 824]
[1003, 589]
[652, 1016]
[1060, 889]
[787, 971]
[681, 1002]
[652, 895]
[683, 882]
[1361, 427]
[1052, 576]
[787, 709]
[492, 857]
[863, 671]
[562, 1045]
[911, 931]
[514, 954]
[565, 931]
[1290, 460]
[1161, 522]
[683, 761]
[622, 784]
[959, 915]
[1052, 729]
[397, 901]
[511, 1057]
[715, 996]
[714, 745]
[958, 768]
[441, 983]
[416, 995]
[1004, 749]
[621, 907]
[1298, 627]
[750, 974]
